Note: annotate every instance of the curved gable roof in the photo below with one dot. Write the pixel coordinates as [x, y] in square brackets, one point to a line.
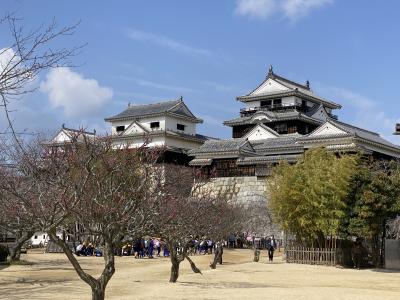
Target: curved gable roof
[174, 107]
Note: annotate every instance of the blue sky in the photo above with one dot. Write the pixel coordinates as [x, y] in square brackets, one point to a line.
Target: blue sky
[212, 51]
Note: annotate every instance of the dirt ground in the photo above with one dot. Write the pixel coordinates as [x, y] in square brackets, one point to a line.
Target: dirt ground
[50, 276]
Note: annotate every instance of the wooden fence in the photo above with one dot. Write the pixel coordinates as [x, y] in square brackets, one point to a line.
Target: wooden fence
[312, 256]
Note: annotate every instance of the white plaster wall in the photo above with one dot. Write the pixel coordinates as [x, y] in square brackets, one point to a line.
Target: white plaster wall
[252, 104]
[41, 238]
[156, 141]
[288, 101]
[171, 122]
[269, 86]
[119, 123]
[145, 122]
[320, 114]
[61, 137]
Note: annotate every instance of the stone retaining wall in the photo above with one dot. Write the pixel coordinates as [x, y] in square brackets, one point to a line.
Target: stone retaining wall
[241, 189]
[244, 190]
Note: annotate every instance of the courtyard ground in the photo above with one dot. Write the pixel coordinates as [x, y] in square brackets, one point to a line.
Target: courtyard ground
[50, 276]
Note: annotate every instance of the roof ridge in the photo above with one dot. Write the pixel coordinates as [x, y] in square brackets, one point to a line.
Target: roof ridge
[291, 82]
[178, 102]
[151, 104]
[350, 125]
[78, 130]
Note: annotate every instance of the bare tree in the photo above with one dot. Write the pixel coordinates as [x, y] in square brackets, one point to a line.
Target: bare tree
[110, 196]
[186, 214]
[24, 192]
[256, 220]
[226, 220]
[107, 192]
[30, 53]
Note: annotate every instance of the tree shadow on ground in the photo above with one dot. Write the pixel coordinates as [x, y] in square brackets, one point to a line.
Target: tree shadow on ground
[4, 265]
[27, 287]
[386, 270]
[225, 285]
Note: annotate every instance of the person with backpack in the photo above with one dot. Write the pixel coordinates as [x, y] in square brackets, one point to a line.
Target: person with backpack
[271, 248]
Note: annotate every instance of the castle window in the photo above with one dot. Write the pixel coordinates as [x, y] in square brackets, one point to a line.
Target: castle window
[154, 125]
[277, 102]
[180, 127]
[265, 103]
[281, 128]
[120, 128]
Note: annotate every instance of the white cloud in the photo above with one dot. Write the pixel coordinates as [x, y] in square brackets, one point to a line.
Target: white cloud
[290, 9]
[367, 113]
[256, 8]
[8, 59]
[78, 96]
[166, 42]
[294, 9]
[11, 67]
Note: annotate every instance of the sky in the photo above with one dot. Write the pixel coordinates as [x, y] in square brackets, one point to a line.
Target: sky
[210, 52]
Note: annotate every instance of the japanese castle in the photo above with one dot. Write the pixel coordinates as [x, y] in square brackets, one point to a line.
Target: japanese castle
[168, 124]
[280, 120]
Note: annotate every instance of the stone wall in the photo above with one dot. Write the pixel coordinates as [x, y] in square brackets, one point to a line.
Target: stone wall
[239, 189]
[249, 190]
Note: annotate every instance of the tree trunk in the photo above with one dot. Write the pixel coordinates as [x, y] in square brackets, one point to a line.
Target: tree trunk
[15, 250]
[195, 269]
[217, 256]
[174, 270]
[256, 255]
[98, 292]
[176, 260]
[382, 246]
[99, 285]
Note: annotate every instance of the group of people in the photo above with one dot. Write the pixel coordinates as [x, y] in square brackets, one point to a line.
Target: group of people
[147, 247]
[87, 249]
[150, 247]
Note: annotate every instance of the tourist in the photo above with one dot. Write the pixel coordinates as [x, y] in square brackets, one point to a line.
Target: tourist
[78, 250]
[165, 250]
[89, 250]
[146, 246]
[98, 252]
[83, 250]
[136, 248]
[271, 248]
[151, 248]
[141, 248]
[203, 247]
[157, 244]
[209, 246]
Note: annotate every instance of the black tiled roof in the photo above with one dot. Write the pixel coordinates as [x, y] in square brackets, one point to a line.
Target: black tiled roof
[364, 134]
[274, 116]
[138, 111]
[220, 146]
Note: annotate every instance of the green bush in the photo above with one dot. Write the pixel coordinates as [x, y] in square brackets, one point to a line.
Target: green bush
[3, 253]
